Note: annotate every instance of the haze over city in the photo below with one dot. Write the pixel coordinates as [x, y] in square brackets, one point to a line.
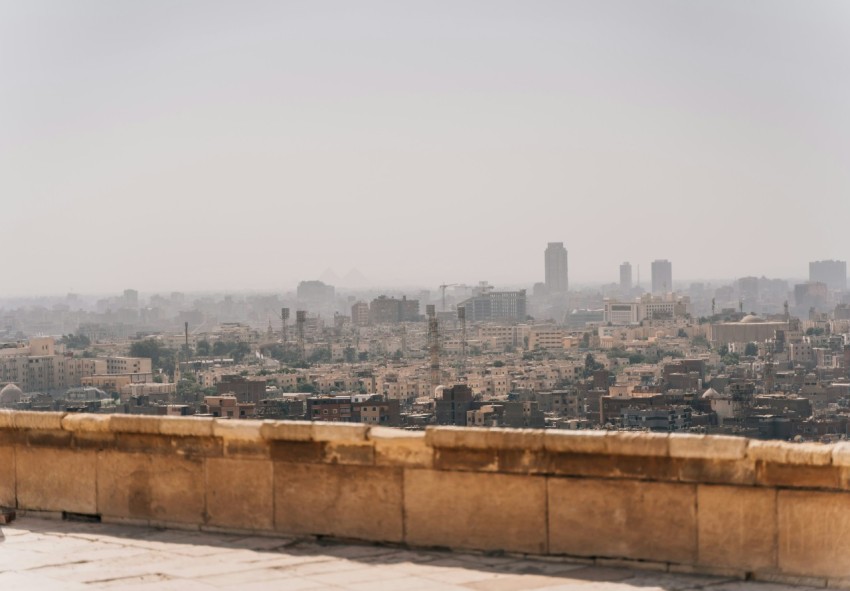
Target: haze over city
[210, 145]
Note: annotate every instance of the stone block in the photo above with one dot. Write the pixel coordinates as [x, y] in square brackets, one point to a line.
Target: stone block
[523, 461]
[121, 423]
[7, 420]
[237, 430]
[48, 438]
[96, 440]
[42, 421]
[798, 475]
[124, 485]
[625, 443]
[394, 447]
[254, 449]
[337, 500]
[708, 447]
[56, 479]
[351, 432]
[453, 509]
[406, 454]
[186, 426]
[287, 430]
[737, 527]
[623, 519]
[297, 451]
[456, 437]
[240, 493]
[768, 451]
[177, 489]
[7, 476]
[466, 459]
[613, 466]
[575, 442]
[814, 533]
[515, 439]
[810, 454]
[86, 423]
[143, 443]
[841, 454]
[347, 452]
[197, 447]
[699, 470]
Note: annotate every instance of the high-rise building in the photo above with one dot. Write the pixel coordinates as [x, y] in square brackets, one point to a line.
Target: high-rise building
[662, 276]
[626, 277]
[556, 268]
[833, 273]
[496, 306]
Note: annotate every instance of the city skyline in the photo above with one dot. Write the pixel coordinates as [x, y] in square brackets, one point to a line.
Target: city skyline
[197, 146]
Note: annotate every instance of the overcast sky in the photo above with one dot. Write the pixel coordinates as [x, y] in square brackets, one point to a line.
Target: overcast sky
[202, 145]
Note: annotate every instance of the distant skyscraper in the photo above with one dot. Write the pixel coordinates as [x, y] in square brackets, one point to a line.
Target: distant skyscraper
[556, 268]
[626, 277]
[662, 276]
[833, 273]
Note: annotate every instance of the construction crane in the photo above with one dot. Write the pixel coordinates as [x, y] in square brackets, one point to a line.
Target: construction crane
[443, 290]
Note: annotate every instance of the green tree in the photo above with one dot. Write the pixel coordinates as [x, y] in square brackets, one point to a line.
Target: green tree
[204, 348]
[751, 350]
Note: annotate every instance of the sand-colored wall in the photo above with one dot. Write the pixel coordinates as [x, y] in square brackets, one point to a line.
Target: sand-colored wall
[771, 510]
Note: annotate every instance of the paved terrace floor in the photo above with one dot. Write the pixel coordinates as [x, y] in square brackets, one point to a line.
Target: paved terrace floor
[39, 554]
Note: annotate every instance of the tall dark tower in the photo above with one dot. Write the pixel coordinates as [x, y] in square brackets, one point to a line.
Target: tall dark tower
[662, 277]
[625, 278]
[556, 268]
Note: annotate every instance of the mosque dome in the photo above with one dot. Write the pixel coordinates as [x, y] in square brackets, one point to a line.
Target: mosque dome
[712, 394]
[750, 319]
[10, 394]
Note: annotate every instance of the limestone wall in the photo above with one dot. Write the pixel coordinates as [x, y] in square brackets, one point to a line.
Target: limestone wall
[729, 505]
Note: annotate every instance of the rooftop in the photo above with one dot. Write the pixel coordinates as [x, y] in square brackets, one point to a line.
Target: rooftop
[49, 554]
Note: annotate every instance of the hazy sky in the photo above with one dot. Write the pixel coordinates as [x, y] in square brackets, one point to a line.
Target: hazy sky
[198, 145]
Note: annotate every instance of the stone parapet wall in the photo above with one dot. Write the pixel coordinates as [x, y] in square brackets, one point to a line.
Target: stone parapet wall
[771, 510]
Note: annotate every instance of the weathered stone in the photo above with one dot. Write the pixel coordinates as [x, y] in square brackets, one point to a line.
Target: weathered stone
[186, 426]
[48, 438]
[344, 501]
[120, 423]
[350, 432]
[96, 440]
[841, 454]
[254, 449]
[287, 430]
[708, 447]
[143, 443]
[7, 419]
[623, 519]
[768, 451]
[7, 476]
[237, 430]
[454, 509]
[625, 443]
[297, 451]
[86, 423]
[346, 452]
[523, 461]
[809, 454]
[575, 442]
[740, 472]
[394, 447]
[457, 438]
[240, 493]
[177, 489]
[44, 421]
[197, 447]
[56, 479]
[798, 476]
[737, 527]
[515, 439]
[464, 459]
[613, 466]
[814, 533]
[124, 485]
